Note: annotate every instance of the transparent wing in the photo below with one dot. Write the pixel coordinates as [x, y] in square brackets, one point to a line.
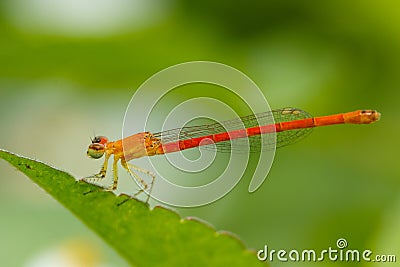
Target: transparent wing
[254, 142]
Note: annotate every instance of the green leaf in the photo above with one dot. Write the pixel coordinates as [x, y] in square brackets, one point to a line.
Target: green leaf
[143, 236]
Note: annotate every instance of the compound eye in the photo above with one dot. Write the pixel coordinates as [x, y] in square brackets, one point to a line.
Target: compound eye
[99, 140]
[96, 150]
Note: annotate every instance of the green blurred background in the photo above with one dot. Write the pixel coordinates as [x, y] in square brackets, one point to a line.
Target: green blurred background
[69, 68]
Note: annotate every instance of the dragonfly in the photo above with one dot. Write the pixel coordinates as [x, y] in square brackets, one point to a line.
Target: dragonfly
[284, 126]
